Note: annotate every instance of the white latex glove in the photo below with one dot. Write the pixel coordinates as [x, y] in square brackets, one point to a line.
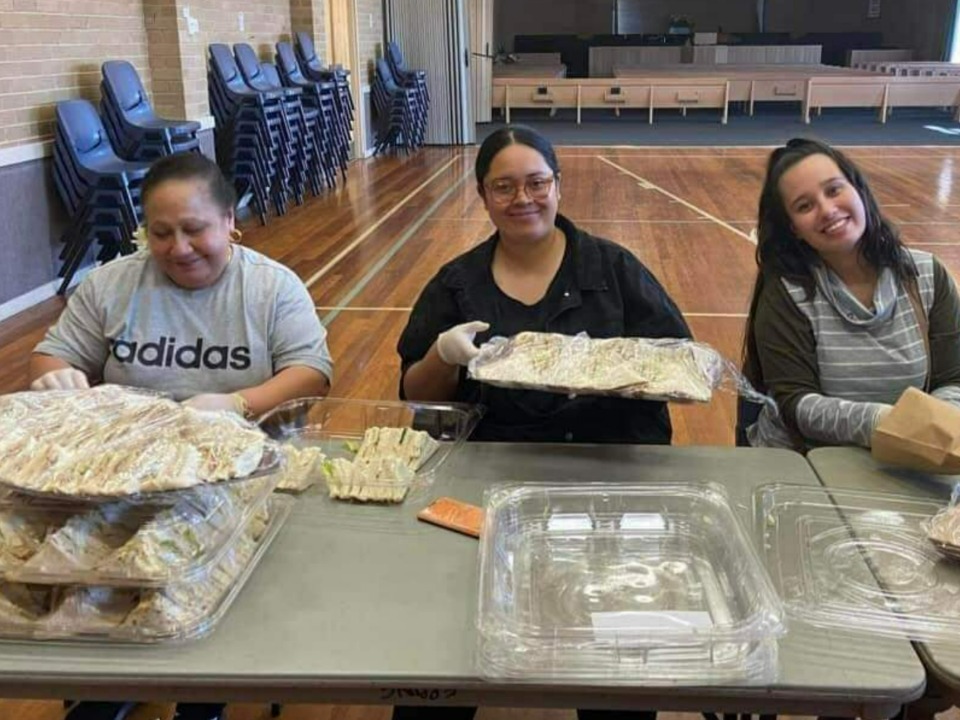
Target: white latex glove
[217, 402]
[62, 379]
[455, 346]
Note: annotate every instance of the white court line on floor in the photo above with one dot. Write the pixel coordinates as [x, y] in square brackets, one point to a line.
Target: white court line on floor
[698, 221]
[651, 186]
[345, 300]
[309, 282]
[928, 222]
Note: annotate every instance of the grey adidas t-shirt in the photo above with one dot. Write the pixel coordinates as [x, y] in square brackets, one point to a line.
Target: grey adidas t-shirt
[129, 324]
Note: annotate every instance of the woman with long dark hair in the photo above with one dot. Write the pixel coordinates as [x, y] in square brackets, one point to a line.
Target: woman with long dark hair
[844, 317]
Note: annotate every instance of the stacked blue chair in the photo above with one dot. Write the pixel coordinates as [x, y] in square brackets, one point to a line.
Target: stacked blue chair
[250, 133]
[314, 69]
[134, 128]
[320, 96]
[408, 78]
[299, 141]
[100, 190]
[401, 119]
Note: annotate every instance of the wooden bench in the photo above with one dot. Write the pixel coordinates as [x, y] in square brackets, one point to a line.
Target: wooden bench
[635, 93]
[716, 91]
[919, 68]
[883, 93]
[749, 84]
[864, 59]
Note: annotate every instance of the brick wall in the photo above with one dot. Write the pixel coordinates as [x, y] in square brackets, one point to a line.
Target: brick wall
[264, 23]
[308, 16]
[370, 35]
[51, 50]
[163, 48]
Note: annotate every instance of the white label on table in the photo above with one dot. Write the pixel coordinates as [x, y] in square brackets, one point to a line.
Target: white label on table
[619, 626]
[643, 521]
[569, 522]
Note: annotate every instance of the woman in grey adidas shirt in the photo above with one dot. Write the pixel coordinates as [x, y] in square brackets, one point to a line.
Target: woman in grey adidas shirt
[843, 317]
[217, 325]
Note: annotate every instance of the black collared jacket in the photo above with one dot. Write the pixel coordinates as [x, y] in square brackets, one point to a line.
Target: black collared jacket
[601, 289]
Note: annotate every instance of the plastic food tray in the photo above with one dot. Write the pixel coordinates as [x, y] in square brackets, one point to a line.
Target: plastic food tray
[124, 544]
[858, 561]
[664, 369]
[634, 584]
[337, 427]
[101, 614]
[270, 463]
[108, 442]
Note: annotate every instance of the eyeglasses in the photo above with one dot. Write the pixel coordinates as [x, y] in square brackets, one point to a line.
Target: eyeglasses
[505, 192]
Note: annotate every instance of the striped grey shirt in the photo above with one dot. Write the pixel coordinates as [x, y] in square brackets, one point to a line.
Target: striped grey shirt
[866, 359]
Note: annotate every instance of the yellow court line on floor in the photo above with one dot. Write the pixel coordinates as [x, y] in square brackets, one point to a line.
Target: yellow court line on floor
[651, 186]
[370, 230]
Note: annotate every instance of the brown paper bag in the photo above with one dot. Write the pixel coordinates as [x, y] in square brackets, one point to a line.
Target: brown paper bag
[920, 433]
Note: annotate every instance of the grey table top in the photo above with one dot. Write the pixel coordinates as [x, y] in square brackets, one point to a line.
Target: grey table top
[855, 469]
[365, 604]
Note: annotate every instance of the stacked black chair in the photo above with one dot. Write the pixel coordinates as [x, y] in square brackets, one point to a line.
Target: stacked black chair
[332, 131]
[314, 69]
[251, 130]
[135, 130]
[408, 78]
[100, 190]
[401, 119]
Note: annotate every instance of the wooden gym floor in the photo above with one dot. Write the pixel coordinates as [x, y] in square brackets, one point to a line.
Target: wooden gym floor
[366, 251]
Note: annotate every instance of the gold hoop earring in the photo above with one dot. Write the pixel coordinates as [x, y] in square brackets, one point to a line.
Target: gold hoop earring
[236, 235]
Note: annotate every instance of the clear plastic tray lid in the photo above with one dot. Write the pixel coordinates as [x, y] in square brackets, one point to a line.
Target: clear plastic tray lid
[366, 450]
[654, 583]
[859, 561]
[111, 443]
[179, 611]
[125, 544]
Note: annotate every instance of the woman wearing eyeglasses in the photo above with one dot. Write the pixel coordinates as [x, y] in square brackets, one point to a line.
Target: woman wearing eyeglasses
[537, 272]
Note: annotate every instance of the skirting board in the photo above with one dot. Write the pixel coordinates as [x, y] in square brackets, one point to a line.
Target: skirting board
[38, 295]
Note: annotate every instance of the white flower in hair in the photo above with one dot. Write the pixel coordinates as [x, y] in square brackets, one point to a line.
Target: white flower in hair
[140, 238]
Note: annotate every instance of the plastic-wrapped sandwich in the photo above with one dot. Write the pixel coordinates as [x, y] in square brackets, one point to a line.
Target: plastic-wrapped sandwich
[302, 467]
[114, 442]
[652, 369]
[384, 467]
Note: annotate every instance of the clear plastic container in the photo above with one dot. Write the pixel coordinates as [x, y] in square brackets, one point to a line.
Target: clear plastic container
[858, 561]
[635, 584]
[353, 466]
[111, 443]
[124, 544]
[180, 611]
